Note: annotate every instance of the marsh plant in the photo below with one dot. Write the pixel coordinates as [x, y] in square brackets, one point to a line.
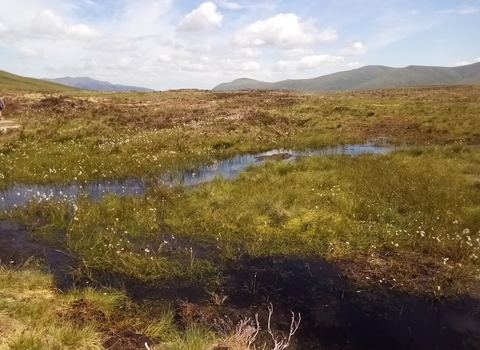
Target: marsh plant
[407, 220]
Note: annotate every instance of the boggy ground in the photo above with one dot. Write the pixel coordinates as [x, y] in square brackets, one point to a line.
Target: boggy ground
[374, 251]
[92, 135]
[334, 314]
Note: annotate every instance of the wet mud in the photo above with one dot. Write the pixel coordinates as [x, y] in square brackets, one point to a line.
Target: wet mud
[17, 249]
[334, 314]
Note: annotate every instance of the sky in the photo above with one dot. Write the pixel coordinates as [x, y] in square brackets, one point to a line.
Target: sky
[172, 44]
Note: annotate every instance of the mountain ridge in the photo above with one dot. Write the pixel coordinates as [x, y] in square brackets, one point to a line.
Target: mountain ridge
[93, 84]
[367, 78]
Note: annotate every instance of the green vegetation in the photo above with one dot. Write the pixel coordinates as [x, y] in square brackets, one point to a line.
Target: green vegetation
[18, 83]
[34, 315]
[378, 216]
[87, 135]
[407, 220]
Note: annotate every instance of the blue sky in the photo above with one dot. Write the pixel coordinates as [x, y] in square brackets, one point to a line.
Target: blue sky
[170, 44]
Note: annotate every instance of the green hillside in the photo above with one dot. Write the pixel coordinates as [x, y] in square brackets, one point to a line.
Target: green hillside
[369, 77]
[10, 81]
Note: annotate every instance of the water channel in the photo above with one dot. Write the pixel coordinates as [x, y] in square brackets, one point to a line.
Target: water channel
[19, 195]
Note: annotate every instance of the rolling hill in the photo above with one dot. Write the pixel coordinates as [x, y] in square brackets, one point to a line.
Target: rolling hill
[92, 84]
[368, 77]
[10, 81]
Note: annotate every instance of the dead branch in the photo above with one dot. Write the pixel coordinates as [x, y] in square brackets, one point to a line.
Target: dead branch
[283, 343]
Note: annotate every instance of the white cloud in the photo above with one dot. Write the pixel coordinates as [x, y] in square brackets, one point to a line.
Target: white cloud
[201, 48]
[308, 62]
[356, 48]
[354, 65]
[26, 53]
[464, 11]
[468, 11]
[165, 58]
[80, 31]
[464, 63]
[3, 28]
[251, 66]
[212, 64]
[195, 66]
[283, 30]
[239, 66]
[141, 18]
[86, 63]
[298, 53]
[115, 45]
[250, 52]
[228, 4]
[204, 17]
[47, 24]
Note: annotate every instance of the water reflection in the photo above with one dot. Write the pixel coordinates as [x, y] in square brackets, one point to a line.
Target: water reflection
[19, 195]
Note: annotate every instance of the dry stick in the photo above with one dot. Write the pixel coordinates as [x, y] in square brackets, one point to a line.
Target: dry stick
[250, 342]
[283, 343]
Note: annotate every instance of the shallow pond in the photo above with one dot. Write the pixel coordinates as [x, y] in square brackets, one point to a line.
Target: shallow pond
[19, 195]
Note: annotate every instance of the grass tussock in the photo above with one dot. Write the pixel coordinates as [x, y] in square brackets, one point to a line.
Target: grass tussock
[34, 315]
[123, 235]
[29, 309]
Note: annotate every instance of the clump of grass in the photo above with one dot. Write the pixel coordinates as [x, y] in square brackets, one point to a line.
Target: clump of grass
[123, 235]
[47, 219]
[34, 315]
[163, 326]
[193, 338]
[29, 308]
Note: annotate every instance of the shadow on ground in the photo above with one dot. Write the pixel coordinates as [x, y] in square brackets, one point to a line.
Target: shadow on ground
[334, 316]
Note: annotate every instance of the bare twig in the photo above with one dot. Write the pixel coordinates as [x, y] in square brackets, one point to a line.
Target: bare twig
[281, 344]
[241, 336]
[257, 329]
[245, 333]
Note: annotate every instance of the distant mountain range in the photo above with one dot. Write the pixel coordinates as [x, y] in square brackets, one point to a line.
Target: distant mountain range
[92, 84]
[368, 77]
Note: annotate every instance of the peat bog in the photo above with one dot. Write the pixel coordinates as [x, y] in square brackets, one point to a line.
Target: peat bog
[19, 195]
[334, 316]
[375, 245]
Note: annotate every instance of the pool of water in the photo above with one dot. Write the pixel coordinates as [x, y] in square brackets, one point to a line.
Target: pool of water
[19, 195]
